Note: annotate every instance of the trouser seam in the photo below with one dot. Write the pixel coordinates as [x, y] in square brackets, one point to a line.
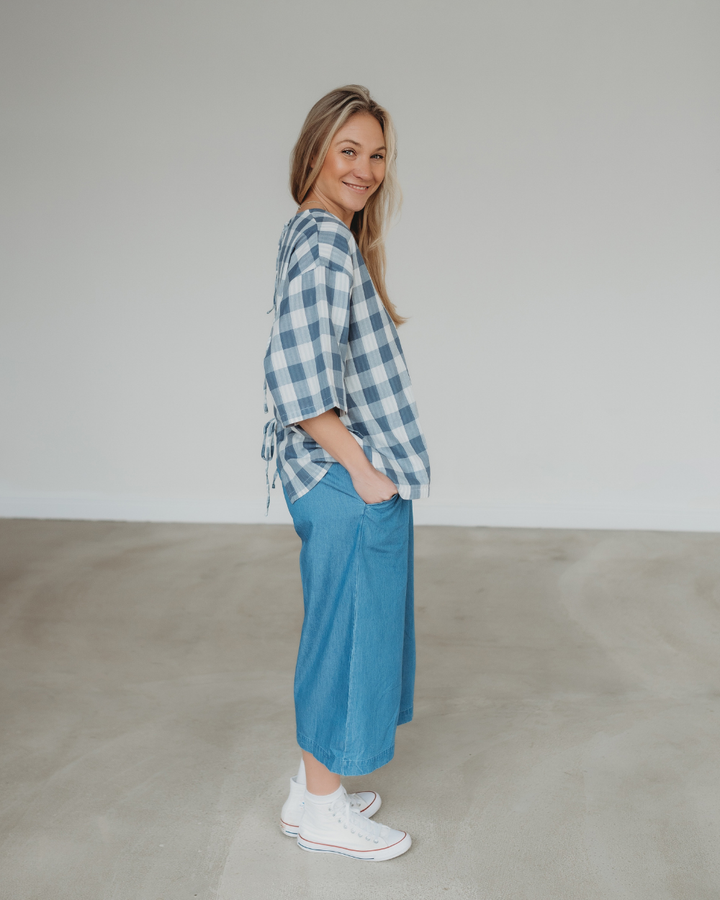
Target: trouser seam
[351, 674]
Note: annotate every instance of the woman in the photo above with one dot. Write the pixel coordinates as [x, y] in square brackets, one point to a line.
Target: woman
[352, 458]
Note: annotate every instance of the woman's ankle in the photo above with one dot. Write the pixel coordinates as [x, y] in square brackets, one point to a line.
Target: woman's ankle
[319, 780]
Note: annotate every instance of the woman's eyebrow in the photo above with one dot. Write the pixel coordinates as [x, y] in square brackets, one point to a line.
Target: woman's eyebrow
[351, 141]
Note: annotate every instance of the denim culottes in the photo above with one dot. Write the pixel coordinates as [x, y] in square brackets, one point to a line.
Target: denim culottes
[355, 671]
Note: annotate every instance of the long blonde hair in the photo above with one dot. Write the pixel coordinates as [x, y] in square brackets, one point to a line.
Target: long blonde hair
[369, 224]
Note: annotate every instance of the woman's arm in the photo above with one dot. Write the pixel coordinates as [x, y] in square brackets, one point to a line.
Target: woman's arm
[335, 439]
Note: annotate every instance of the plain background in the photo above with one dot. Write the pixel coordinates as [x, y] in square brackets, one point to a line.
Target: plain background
[557, 251]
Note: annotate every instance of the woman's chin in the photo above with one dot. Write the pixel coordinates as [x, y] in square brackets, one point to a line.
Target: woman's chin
[355, 202]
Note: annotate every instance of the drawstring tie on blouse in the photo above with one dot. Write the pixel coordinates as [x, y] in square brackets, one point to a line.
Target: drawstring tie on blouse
[268, 452]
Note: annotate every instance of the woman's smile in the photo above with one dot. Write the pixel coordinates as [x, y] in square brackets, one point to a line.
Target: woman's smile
[360, 188]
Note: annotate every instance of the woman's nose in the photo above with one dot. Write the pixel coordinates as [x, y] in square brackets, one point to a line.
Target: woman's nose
[362, 169]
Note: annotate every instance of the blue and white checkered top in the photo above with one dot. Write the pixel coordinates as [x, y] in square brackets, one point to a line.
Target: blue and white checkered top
[334, 346]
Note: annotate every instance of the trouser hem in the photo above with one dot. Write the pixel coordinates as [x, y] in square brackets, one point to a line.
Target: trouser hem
[341, 765]
[405, 716]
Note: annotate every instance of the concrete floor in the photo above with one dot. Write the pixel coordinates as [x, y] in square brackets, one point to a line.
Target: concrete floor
[566, 741]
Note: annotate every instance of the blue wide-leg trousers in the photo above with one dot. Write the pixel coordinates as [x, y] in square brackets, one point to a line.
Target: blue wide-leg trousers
[355, 672]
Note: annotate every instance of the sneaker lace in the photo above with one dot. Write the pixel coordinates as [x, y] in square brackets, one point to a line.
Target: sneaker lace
[343, 812]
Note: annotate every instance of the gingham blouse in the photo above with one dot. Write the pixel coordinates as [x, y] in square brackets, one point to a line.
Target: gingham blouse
[334, 346]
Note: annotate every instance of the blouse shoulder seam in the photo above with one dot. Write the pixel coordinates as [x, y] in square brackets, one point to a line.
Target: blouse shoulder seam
[313, 245]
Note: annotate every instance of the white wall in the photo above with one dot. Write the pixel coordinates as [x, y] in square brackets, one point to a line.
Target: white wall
[558, 250]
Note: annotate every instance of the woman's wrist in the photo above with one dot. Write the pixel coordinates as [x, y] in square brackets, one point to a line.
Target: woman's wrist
[358, 467]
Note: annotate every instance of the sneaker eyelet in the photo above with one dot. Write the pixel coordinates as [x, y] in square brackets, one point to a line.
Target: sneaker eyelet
[375, 841]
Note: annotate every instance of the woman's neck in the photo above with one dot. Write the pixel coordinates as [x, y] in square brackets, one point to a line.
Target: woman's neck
[315, 201]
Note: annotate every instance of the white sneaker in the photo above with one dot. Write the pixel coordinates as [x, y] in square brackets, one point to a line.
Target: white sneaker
[337, 827]
[367, 803]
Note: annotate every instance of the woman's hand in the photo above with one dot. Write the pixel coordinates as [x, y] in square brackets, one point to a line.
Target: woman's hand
[373, 486]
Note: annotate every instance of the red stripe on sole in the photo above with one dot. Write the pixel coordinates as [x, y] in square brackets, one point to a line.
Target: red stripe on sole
[350, 849]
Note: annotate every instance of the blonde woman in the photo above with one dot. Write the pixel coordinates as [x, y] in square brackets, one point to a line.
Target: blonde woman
[351, 457]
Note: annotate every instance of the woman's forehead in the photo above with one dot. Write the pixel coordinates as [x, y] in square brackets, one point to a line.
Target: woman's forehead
[362, 128]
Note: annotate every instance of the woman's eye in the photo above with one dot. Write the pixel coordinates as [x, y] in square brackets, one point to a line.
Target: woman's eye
[378, 156]
[348, 150]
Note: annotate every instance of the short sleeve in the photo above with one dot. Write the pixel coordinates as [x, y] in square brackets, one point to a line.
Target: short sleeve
[305, 360]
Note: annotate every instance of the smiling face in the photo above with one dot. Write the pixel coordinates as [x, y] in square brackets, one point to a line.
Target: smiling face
[353, 169]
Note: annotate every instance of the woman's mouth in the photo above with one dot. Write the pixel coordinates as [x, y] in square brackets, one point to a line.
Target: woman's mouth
[358, 188]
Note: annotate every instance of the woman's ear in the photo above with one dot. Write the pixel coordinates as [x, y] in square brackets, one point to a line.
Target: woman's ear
[312, 161]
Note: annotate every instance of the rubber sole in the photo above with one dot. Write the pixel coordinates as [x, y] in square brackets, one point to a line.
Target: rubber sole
[288, 829]
[397, 849]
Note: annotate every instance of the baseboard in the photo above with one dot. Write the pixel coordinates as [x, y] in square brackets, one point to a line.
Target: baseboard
[143, 509]
[570, 517]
